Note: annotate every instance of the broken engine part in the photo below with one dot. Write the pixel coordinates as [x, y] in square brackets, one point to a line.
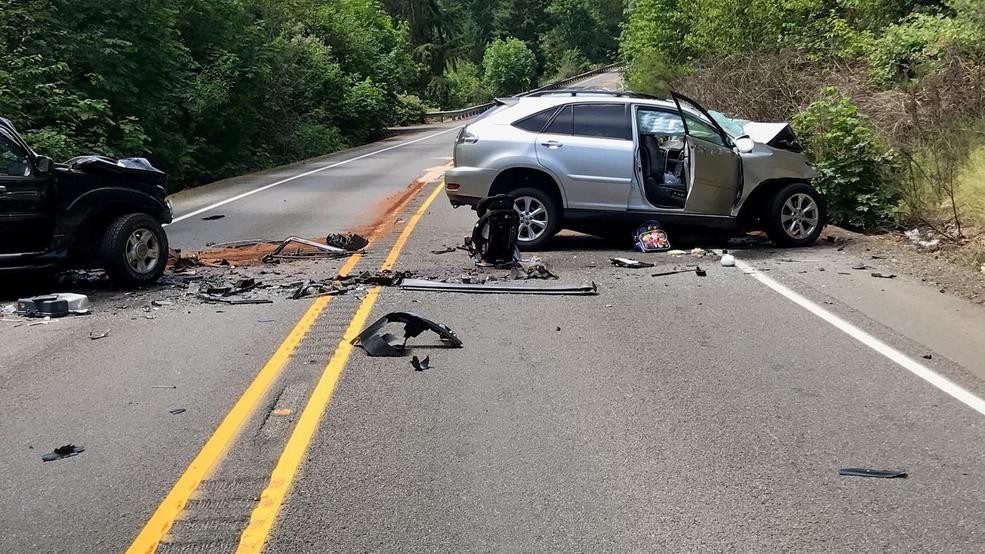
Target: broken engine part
[387, 345]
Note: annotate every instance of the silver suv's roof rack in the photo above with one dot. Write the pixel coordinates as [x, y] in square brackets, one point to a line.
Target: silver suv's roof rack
[590, 92]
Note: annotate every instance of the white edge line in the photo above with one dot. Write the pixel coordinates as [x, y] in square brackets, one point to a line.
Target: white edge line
[306, 174]
[956, 391]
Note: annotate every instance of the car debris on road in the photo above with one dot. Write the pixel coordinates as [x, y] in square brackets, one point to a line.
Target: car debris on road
[93, 335]
[320, 250]
[387, 345]
[882, 474]
[54, 305]
[62, 452]
[419, 364]
[425, 285]
[350, 242]
[694, 269]
[630, 263]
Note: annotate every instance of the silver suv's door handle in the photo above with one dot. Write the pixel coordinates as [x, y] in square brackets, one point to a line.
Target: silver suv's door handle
[552, 144]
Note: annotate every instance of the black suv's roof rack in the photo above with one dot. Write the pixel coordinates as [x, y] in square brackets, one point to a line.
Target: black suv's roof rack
[591, 92]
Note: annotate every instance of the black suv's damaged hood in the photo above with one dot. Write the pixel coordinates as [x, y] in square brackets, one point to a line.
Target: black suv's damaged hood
[128, 169]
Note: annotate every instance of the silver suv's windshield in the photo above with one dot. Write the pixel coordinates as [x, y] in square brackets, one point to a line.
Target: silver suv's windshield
[734, 127]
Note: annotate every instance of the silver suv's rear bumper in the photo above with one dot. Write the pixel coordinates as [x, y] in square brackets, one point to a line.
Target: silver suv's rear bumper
[468, 185]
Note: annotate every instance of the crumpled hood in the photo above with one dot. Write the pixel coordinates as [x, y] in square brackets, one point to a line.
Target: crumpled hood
[138, 169]
[777, 135]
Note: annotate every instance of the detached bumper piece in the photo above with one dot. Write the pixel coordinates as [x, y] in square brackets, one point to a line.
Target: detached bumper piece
[321, 250]
[499, 288]
[389, 346]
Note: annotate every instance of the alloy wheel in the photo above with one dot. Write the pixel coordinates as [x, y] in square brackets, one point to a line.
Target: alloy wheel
[800, 216]
[143, 251]
[533, 218]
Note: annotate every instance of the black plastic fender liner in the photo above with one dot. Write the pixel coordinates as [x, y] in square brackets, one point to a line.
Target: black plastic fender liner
[385, 345]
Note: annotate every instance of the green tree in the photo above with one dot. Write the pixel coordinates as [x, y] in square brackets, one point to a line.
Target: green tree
[510, 67]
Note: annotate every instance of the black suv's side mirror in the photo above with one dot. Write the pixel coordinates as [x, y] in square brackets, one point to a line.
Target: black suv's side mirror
[43, 164]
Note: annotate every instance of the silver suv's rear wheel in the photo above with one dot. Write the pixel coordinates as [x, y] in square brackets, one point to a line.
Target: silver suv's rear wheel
[538, 217]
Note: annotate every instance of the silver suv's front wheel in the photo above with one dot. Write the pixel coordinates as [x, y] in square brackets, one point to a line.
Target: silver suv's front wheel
[795, 216]
[538, 217]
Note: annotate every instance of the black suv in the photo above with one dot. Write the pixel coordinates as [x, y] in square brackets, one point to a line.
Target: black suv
[88, 211]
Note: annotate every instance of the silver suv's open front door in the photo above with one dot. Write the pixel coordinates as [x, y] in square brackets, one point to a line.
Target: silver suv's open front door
[714, 168]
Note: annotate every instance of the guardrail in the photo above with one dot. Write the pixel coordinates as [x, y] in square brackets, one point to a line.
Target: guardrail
[476, 110]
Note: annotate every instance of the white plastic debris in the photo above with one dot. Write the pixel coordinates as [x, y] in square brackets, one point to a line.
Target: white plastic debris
[923, 239]
[728, 260]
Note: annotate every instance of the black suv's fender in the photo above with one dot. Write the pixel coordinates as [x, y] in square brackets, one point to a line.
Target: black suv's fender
[87, 216]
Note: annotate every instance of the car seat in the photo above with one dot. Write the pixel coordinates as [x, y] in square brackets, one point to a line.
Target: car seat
[658, 191]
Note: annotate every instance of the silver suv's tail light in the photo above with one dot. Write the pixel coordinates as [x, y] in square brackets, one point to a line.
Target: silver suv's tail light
[466, 137]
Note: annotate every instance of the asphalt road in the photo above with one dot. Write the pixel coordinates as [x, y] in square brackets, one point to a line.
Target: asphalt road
[676, 413]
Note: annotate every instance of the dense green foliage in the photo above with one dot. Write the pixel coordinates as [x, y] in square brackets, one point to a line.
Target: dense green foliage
[450, 38]
[211, 88]
[907, 75]
[205, 88]
[855, 173]
[510, 67]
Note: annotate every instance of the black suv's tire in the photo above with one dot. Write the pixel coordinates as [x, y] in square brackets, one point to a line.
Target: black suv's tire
[795, 216]
[540, 218]
[134, 250]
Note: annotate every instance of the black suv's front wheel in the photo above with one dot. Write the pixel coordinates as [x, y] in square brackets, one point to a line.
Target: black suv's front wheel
[795, 215]
[134, 250]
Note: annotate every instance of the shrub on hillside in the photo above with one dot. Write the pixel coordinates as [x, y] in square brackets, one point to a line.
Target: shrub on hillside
[855, 170]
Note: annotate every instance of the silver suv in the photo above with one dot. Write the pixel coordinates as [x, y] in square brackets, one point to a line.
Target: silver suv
[601, 162]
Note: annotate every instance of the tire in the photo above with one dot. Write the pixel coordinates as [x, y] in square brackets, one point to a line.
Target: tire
[134, 250]
[539, 217]
[795, 216]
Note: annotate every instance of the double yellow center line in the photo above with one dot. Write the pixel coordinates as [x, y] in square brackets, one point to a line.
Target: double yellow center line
[215, 448]
[265, 514]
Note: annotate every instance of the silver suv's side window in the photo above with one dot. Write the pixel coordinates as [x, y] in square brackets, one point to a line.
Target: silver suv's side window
[535, 123]
[563, 124]
[13, 160]
[602, 121]
[699, 129]
[607, 121]
[660, 123]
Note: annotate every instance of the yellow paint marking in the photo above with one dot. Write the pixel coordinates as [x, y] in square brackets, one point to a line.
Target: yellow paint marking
[159, 525]
[265, 514]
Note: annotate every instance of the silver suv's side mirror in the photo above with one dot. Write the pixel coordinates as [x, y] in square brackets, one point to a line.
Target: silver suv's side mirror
[43, 164]
[744, 144]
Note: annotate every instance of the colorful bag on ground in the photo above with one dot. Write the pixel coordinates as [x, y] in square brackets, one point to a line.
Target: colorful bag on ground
[651, 238]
